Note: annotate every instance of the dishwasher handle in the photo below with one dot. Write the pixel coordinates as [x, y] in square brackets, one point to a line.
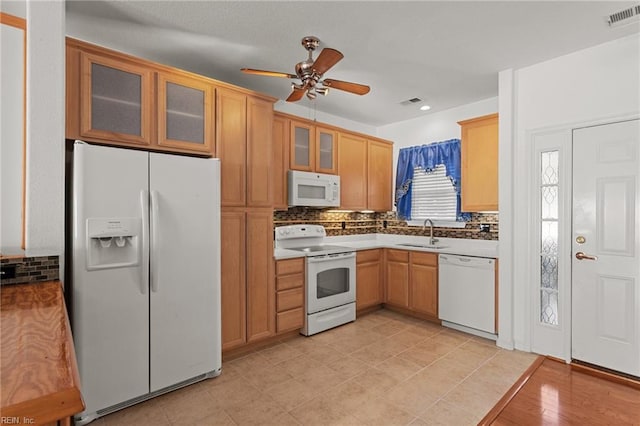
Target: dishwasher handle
[466, 261]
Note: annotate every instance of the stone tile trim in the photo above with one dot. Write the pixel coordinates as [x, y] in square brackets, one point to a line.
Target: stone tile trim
[32, 269]
[355, 223]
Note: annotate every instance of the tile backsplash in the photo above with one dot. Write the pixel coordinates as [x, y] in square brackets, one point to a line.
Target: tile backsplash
[353, 223]
[31, 269]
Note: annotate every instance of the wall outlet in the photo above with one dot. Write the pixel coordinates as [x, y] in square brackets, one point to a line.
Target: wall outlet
[8, 272]
[485, 227]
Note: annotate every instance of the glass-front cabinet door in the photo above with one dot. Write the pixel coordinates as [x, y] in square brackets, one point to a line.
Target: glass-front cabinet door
[326, 151]
[185, 113]
[116, 100]
[302, 153]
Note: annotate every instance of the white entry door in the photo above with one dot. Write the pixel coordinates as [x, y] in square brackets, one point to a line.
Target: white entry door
[605, 246]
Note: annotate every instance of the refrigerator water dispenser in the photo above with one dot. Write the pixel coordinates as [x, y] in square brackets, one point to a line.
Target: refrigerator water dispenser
[113, 242]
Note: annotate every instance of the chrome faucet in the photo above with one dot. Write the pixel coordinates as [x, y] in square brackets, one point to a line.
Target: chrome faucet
[432, 240]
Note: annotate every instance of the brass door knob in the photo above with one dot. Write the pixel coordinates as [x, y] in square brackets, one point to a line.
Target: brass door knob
[581, 256]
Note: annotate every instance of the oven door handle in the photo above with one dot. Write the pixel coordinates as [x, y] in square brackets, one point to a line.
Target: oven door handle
[329, 257]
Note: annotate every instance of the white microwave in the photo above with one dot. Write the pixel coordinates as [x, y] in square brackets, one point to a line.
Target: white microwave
[313, 189]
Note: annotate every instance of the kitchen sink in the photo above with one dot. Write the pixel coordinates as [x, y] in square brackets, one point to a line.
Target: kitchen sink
[425, 246]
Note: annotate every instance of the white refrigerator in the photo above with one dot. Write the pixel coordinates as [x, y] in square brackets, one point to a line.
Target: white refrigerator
[145, 274]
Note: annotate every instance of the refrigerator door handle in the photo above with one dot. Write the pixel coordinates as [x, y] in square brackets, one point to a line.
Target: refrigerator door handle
[154, 279]
[144, 267]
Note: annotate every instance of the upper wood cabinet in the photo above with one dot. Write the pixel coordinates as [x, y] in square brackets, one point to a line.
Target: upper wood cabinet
[352, 168]
[280, 160]
[185, 112]
[379, 175]
[365, 169]
[116, 100]
[231, 146]
[479, 183]
[259, 152]
[325, 151]
[312, 148]
[364, 163]
[243, 143]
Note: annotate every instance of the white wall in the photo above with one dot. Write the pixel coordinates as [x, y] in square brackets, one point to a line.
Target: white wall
[45, 127]
[435, 127]
[12, 50]
[14, 7]
[590, 86]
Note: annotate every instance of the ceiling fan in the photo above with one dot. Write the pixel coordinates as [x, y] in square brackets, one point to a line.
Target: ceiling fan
[310, 73]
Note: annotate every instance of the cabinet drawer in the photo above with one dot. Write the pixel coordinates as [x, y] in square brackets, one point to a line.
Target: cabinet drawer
[397, 255]
[290, 320]
[289, 281]
[289, 299]
[368, 256]
[421, 258]
[290, 266]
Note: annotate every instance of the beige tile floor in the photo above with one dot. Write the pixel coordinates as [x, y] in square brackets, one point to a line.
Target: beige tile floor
[384, 369]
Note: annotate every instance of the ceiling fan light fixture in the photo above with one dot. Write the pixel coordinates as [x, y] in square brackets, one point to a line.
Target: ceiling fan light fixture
[310, 73]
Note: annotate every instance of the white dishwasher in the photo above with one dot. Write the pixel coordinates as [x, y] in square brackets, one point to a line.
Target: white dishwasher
[466, 293]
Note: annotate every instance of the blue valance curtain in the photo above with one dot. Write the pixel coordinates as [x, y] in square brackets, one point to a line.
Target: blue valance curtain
[427, 157]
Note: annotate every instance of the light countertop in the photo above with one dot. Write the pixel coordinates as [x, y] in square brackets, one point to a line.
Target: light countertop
[456, 246]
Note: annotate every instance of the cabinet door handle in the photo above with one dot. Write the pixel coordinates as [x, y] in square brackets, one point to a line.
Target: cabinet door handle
[581, 256]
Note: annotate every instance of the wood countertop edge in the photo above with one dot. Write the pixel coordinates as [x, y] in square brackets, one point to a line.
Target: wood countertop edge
[49, 408]
[62, 403]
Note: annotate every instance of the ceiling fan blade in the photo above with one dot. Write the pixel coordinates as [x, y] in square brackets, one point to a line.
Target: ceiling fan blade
[268, 73]
[296, 95]
[358, 89]
[326, 59]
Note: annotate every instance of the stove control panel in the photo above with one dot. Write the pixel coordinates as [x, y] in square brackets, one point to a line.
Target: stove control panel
[299, 231]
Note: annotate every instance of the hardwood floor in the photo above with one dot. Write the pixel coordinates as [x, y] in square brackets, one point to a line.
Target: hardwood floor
[553, 393]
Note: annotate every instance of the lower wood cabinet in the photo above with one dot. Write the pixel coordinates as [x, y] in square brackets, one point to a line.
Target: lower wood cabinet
[412, 281]
[247, 284]
[397, 277]
[369, 290]
[289, 294]
[423, 283]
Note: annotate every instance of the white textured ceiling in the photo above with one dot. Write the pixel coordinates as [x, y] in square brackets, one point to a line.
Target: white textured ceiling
[445, 53]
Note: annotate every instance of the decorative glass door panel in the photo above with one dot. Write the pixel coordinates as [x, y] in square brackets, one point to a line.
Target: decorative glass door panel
[549, 238]
[116, 100]
[185, 113]
[326, 151]
[302, 147]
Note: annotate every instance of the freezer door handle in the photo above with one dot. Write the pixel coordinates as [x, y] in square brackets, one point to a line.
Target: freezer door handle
[155, 214]
[144, 268]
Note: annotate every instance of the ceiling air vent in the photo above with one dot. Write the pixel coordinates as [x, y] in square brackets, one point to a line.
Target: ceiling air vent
[411, 101]
[624, 17]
